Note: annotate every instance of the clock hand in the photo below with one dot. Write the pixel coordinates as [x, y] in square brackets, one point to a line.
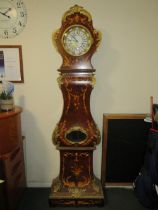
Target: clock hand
[4, 14]
[7, 11]
[74, 38]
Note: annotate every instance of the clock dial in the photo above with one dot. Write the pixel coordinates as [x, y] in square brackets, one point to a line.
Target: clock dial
[77, 40]
[13, 18]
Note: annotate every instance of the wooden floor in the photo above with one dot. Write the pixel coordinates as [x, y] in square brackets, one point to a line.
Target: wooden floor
[116, 199]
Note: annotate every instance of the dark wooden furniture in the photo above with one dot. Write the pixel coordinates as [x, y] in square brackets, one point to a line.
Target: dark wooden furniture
[2, 197]
[124, 144]
[76, 134]
[12, 169]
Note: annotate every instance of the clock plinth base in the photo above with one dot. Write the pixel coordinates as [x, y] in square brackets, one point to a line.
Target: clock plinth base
[90, 195]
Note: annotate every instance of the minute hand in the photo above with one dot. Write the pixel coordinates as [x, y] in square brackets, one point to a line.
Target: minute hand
[5, 15]
[74, 38]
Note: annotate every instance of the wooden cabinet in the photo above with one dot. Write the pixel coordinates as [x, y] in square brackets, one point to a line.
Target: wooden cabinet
[12, 169]
[10, 130]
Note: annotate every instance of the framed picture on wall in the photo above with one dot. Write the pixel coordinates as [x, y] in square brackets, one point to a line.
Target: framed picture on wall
[11, 63]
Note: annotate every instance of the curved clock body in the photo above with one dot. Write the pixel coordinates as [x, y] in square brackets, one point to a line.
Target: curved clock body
[76, 134]
[76, 126]
[13, 18]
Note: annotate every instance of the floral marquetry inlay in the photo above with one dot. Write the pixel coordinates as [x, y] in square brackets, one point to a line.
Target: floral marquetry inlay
[76, 134]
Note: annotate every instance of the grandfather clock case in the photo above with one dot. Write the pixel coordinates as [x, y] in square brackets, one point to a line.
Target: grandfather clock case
[76, 134]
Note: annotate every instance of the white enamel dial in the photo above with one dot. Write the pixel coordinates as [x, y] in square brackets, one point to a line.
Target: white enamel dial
[77, 40]
[13, 18]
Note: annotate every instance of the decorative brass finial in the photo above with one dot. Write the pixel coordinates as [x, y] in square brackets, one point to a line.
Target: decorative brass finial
[76, 9]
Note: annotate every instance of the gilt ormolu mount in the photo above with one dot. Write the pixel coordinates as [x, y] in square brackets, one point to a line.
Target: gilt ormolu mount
[76, 134]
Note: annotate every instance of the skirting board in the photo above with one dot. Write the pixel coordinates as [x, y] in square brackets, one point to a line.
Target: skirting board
[39, 184]
[48, 184]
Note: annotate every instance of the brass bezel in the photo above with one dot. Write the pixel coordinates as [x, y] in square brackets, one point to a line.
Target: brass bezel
[76, 128]
[88, 32]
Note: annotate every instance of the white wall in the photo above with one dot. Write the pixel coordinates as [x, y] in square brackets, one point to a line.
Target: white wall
[126, 64]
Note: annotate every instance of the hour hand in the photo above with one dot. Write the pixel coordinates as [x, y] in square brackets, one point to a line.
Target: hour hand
[7, 11]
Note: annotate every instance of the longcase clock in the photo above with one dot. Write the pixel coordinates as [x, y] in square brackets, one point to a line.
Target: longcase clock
[76, 134]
